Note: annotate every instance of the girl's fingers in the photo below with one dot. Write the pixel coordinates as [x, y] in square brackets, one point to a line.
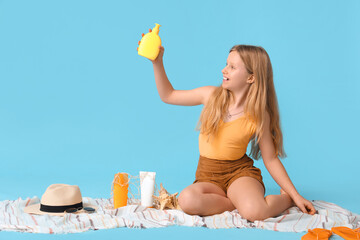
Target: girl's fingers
[303, 209]
[311, 208]
[304, 206]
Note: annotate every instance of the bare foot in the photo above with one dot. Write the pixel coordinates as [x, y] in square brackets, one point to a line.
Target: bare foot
[285, 193]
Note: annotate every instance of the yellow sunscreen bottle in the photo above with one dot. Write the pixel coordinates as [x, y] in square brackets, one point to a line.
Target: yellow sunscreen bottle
[150, 43]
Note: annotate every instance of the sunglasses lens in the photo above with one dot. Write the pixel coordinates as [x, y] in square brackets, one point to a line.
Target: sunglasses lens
[71, 210]
[89, 209]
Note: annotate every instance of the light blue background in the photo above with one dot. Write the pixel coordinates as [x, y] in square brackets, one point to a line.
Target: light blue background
[78, 104]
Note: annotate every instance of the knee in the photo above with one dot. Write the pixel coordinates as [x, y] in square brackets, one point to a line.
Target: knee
[189, 202]
[252, 212]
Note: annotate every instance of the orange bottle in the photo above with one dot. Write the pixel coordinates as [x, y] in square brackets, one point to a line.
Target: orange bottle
[120, 189]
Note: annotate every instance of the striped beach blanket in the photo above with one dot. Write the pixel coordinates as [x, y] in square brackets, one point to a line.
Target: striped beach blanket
[13, 218]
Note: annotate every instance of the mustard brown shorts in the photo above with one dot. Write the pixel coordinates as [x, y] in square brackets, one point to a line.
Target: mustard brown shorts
[224, 172]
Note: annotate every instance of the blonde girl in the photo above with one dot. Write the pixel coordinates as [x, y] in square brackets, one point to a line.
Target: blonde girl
[243, 108]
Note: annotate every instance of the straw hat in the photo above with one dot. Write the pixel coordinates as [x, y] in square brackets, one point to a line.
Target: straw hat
[56, 199]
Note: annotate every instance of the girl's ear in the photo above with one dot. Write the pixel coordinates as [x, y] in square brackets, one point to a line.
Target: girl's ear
[251, 79]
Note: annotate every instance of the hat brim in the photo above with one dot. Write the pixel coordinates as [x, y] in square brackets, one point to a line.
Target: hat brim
[35, 209]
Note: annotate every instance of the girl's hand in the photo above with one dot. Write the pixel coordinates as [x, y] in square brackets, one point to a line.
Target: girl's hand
[304, 205]
[160, 56]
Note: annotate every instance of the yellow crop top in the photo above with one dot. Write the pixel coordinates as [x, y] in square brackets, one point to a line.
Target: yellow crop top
[230, 143]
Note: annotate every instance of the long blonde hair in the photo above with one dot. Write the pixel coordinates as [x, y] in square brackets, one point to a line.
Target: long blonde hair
[261, 97]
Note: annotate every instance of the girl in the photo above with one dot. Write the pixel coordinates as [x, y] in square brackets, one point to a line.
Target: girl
[243, 108]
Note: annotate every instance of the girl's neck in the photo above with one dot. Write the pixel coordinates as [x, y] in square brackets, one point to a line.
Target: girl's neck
[238, 100]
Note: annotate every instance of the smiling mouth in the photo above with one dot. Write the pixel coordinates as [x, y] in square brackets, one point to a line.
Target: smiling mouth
[225, 79]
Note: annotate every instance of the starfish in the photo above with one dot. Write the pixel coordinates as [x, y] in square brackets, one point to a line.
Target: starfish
[165, 200]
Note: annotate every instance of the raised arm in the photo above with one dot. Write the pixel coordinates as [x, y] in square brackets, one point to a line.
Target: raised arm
[169, 95]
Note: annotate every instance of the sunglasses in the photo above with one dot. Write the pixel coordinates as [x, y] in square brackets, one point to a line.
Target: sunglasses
[85, 209]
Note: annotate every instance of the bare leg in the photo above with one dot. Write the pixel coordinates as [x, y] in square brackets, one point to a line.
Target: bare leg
[204, 199]
[283, 192]
[247, 195]
[212, 203]
[278, 203]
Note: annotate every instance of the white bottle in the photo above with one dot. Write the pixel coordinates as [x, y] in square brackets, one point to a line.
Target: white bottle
[147, 188]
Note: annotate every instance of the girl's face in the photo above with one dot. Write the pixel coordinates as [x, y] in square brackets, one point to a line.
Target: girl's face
[234, 73]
